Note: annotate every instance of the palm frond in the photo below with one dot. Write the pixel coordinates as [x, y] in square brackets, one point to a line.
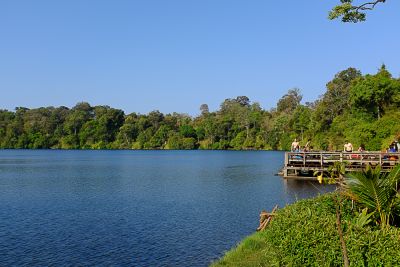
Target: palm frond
[394, 176]
[374, 190]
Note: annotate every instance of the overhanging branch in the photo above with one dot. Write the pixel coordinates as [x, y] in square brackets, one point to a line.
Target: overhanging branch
[350, 12]
[368, 6]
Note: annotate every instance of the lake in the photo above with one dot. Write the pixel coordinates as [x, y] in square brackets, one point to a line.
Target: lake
[135, 208]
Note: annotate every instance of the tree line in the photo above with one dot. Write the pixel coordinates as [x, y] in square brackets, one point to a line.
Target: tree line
[363, 109]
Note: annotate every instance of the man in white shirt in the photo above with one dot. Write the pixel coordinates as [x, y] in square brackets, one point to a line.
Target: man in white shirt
[348, 147]
[295, 145]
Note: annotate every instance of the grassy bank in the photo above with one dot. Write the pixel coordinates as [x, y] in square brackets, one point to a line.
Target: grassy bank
[305, 234]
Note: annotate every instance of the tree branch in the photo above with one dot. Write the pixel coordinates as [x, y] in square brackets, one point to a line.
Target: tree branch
[369, 5]
[352, 13]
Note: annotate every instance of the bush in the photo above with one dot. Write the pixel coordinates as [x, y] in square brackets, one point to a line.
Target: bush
[305, 234]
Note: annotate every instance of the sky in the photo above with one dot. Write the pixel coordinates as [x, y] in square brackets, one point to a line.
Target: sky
[175, 55]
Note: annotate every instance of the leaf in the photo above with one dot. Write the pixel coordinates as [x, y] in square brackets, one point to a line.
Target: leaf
[364, 218]
[375, 191]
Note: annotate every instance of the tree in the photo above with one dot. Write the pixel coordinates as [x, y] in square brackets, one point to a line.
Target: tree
[128, 131]
[155, 118]
[79, 114]
[238, 141]
[281, 132]
[187, 131]
[159, 139]
[39, 126]
[110, 123]
[338, 91]
[364, 109]
[143, 139]
[243, 100]
[204, 109]
[237, 113]
[6, 119]
[175, 141]
[255, 116]
[58, 117]
[88, 135]
[210, 129]
[336, 99]
[301, 120]
[352, 13]
[374, 93]
[289, 101]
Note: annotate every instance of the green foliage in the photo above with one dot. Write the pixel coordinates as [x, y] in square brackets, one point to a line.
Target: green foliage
[374, 93]
[364, 218]
[238, 141]
[174, 141]
[305, 234]
[377, 192]
[347, 12]
[188, 143]
[352, 13]
[187, 131]
[260, 142]
[289, 101]
[301, 119]
[362, 109]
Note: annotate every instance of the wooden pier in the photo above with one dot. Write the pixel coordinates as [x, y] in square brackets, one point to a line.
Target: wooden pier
[302, 165]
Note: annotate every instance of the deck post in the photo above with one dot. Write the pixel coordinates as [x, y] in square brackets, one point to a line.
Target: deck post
[285, 170]
[321, 159]
[286, 159]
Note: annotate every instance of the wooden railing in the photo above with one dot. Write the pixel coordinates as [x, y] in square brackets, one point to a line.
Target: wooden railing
[354, 161]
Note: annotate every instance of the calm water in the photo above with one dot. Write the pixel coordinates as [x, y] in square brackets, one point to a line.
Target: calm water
[134, 208]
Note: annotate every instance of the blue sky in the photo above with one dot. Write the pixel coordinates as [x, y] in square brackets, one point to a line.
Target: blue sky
[175, 55]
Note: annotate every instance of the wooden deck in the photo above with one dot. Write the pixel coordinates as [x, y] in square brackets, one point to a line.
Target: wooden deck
[302, 165]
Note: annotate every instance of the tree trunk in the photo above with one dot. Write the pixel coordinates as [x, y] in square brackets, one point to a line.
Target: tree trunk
[339, 227]
[126, 139]
[379, 113]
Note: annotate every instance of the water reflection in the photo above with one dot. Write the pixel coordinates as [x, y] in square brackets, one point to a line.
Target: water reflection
[135, 208]
[300, 189]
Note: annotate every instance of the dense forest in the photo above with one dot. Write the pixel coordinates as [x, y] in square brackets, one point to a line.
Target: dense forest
[363, 109]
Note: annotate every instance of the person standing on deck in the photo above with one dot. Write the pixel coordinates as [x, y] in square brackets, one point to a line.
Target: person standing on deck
[295, 146]
[361, 148]
[348, 147]
[392, 148]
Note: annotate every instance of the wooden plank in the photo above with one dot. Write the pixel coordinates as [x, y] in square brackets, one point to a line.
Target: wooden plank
[297, 162]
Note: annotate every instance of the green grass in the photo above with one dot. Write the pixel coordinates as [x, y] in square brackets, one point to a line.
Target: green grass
[305, 234]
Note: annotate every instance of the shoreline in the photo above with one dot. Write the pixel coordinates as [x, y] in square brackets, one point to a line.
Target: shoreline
[305, 234]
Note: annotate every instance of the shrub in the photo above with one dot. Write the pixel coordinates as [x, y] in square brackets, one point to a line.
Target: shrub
[305, 234]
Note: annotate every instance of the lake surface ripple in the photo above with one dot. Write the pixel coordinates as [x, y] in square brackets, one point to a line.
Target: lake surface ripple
[135, 208]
